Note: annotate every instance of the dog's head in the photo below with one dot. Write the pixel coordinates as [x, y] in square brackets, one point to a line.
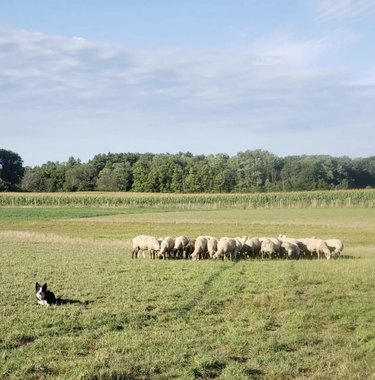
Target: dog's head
[41, 291]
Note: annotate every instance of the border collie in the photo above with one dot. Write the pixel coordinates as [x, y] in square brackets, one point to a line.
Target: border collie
[43, 295]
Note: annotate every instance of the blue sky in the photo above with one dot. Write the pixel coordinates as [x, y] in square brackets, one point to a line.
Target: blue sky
[78, 78]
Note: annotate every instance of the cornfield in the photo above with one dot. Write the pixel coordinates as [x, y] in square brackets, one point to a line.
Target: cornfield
[308, 199]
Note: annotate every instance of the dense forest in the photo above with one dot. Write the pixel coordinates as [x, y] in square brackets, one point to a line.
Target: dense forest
[248, 171]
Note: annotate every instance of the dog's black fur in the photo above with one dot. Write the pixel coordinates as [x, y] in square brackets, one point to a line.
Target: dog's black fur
[44, 296]
[48, 298]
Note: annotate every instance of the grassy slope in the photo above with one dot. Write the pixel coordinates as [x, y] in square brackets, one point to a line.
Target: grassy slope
[164, 319]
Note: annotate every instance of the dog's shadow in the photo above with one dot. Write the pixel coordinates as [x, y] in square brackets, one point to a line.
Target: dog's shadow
[68, 301]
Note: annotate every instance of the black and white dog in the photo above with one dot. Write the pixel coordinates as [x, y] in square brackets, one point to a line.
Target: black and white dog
[44, 296]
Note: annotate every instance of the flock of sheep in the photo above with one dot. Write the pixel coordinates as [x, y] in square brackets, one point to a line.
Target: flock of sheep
[208, 247]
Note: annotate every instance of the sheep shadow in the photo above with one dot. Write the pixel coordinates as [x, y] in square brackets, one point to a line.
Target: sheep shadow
[347, 257]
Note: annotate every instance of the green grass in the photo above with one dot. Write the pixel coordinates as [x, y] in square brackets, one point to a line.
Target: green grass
[144, 319]
[353, 225]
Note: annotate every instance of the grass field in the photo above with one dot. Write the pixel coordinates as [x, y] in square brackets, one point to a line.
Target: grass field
[144, 319]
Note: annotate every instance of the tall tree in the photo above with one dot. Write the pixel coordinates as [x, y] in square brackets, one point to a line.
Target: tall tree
[78, 176]
[115, 178]
[254, 168]
[142, 181]
[11, 170]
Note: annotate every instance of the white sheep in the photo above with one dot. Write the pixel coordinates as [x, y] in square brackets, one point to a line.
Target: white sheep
[240, 241]
[226, 248]
[269, 247]
[318, 247]
[283, 238]
[145, 243]
[200, 248]
[251, 247]
[211, 245]
[290, 250]
[180, 244]
[336, 246]
[166, 247]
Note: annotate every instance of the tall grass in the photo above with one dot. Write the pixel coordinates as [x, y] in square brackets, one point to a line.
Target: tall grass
[311, 199]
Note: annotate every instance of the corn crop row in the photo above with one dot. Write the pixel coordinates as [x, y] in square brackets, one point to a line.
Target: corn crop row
[309, 199]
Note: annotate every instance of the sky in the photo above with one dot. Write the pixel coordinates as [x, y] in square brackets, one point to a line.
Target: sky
[80, 78]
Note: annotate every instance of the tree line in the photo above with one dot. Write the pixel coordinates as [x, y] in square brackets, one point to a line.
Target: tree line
[247, 171]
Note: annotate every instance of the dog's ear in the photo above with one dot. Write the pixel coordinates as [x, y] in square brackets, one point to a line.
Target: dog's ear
[37, 286]
[44, 287]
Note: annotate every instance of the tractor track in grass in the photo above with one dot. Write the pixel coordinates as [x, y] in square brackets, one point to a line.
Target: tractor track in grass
[198, 301]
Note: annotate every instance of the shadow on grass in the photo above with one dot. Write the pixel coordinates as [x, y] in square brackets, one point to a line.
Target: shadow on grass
[134, 373]
[68, 301]
[254, 373]
[18, 342]
[209, 370]
[347, 257]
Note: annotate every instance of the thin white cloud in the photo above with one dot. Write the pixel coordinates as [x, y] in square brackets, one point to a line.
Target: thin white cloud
[274, 86]
[53, 69]
[74, 74]
[285, 49]
[335, 9]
